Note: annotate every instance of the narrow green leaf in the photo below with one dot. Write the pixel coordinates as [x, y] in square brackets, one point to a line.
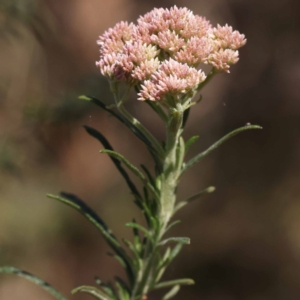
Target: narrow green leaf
[208, 190]
[154, 142]
[166, 255]
[183, 281]
[96, 134]
[96, 293]
[174, 252]
[168, 258]
[119, 117]
[146, 209]
[190, 142]
[162, 266]
[182, 240]
[133, 250]
[107, 288]
[181, 204]
[174, 290]
[136, 131]
[135, 230]
[46, 286]
[150, 177]
[198, 157]
[122, 292]
[141, 228]
[136, 239]
[122, 283]
[172, 225]
[133, 169]
[118, 258]
[93, 217]
[185, 117]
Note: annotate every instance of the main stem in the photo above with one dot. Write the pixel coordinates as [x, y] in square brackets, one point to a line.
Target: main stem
[169, 177]
[169, 180]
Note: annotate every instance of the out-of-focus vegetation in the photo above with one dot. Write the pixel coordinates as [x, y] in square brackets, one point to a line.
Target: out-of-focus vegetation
[245, 236]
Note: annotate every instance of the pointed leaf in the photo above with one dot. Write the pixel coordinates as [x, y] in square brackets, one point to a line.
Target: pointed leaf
[183, 281]
[122, 292]
[162, 266]
[167, 259]
[173, 291]
[121, 118]
[46, 286]
[132, 168]
[181, 204]
[96, 134]
[190, 142]
[92, 216]
[135, 230]
[132, 249]
[141, 228]
[138, 133]
[118, 258]
[107, 288]
[198, 157]
[182, 240]
[96, 293]
[150, 177]
[122, 283]
[185, 117]
[172, 225]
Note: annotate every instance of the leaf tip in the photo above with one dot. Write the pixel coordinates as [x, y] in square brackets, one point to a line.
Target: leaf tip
[211, 189]
[191, 282]
[253, 126]
[85, 98]
[74, 291]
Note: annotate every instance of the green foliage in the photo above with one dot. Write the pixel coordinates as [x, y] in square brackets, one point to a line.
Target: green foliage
[46, 286]
[96, 293]
[198, 157]
[146, 257]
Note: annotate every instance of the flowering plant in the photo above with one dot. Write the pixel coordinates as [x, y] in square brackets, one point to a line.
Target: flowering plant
[160, 57]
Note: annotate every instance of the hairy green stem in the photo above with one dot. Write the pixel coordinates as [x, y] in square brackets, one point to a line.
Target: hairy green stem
[169, 180]
[169, 177]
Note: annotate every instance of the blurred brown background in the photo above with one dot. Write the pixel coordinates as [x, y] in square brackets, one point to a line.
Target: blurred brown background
[245, 236]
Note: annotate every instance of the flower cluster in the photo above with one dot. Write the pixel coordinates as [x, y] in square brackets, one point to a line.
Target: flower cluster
[162, 53]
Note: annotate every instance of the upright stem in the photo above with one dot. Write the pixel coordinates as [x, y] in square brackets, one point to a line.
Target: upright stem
[169, 179]
[170, 174]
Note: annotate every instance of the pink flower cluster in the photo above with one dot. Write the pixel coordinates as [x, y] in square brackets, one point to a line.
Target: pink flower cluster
[162, 53]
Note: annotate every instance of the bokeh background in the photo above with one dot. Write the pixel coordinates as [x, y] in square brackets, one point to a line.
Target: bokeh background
[245, 236]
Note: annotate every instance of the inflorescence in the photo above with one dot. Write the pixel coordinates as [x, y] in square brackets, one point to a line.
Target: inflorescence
[162, 54]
